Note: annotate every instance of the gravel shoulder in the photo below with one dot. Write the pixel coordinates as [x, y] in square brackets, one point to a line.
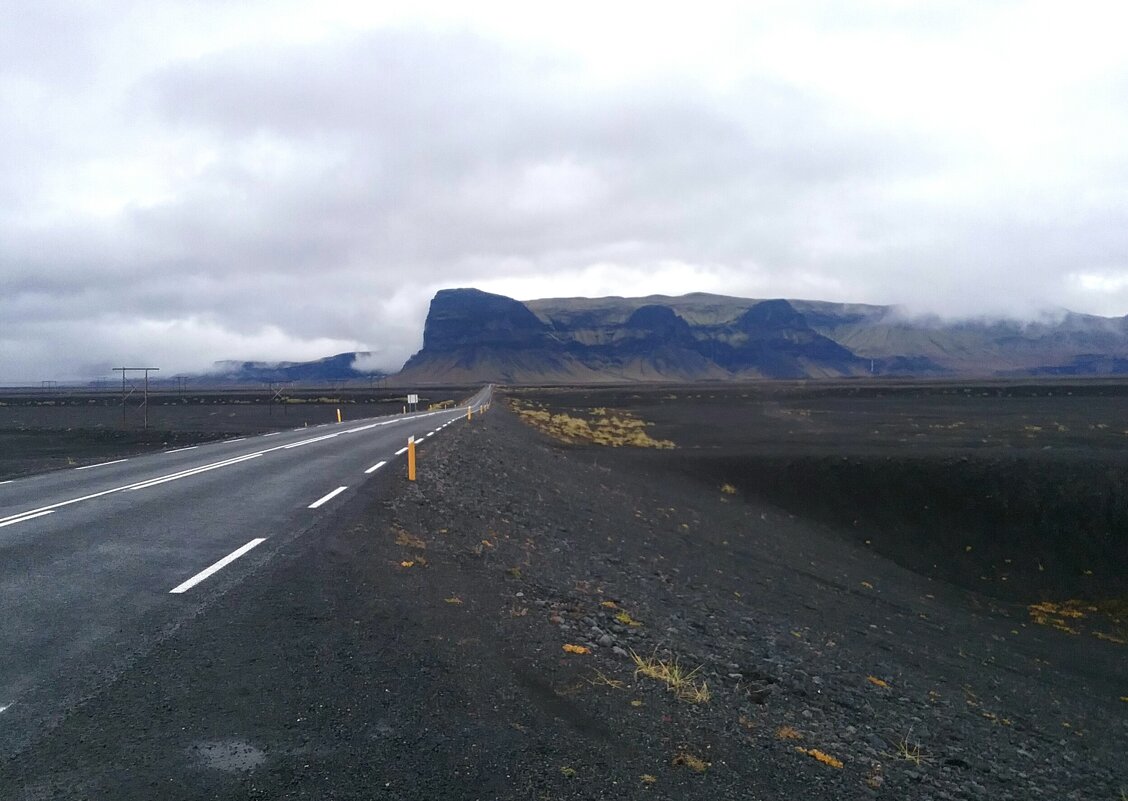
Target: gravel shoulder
[413, 648]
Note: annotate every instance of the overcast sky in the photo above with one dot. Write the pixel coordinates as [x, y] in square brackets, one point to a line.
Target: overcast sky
[193, 181]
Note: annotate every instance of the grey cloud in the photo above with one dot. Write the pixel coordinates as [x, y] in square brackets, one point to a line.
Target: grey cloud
[347, 181]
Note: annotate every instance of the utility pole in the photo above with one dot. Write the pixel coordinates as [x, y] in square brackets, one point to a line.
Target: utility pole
[124, 395]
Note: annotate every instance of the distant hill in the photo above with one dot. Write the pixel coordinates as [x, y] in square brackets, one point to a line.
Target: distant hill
[332, 368]
[472, 335]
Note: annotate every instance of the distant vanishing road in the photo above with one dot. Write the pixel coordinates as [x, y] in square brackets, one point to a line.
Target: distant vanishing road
[98, 563]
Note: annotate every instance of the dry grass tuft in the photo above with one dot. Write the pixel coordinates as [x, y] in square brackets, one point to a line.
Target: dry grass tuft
[676, 678]
[908, 751]
[728, 489]
[876, 682]
[601, 679]
[576, 649]
[620, 430]
[646, 778]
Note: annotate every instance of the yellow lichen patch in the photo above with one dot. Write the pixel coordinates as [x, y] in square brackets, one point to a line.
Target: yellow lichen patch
[876, 682]
[622, 429]
[646, 778]
[569, 773]
[576, 649]
[1105, 620]
[624, 618]
[821, 756]
[608, 604]
[728, 489]
[454, 599]
[688, 760]
[788, 733]
[407, 563]
[867, 585]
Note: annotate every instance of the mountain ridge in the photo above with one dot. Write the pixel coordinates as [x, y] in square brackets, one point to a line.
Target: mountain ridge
[478, 336]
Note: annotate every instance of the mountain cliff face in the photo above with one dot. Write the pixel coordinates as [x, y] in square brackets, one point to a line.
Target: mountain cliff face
[472, 335]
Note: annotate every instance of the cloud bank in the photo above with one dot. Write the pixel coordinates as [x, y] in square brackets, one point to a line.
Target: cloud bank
[189, 182]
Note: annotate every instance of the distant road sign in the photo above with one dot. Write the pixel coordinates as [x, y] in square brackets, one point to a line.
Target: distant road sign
[413, 399]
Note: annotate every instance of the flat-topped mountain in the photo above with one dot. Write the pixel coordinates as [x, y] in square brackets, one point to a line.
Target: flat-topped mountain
[477, 336]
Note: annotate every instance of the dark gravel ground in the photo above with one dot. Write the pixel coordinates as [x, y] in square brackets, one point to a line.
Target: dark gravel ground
[413, 649]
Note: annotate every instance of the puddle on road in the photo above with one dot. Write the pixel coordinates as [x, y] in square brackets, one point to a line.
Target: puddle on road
[231, 756]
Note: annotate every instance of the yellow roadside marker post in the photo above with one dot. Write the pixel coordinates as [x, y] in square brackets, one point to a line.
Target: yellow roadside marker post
[469, 412]
[338, 415]
[411, 458]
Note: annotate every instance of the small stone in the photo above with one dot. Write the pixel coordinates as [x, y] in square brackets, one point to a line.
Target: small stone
[619, 651]
[606, 641]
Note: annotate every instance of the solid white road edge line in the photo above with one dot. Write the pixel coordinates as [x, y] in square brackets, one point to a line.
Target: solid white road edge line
[271, 434]
[308, 441]
[237, 439]
[374, 467]
[327, 498]
[195, 471]
[103, 464]
[222, 563]
[179, 450]
[2, 708]
[9, 481]
[31, 516]
[401, 451]
[160, 479]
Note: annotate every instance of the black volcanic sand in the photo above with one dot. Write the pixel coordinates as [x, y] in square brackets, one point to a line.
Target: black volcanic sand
[41, 431]
[1018, 491]
[413, 648]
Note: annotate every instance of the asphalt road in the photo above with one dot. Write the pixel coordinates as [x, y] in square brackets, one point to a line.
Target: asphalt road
[99, 563]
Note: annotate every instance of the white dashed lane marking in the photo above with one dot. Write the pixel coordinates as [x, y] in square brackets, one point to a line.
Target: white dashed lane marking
[327, 497]
[374, 467]
[222, 563]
